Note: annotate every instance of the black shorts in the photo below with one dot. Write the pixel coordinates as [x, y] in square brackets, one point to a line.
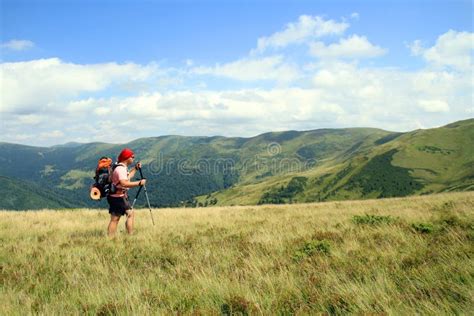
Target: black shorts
[118, 205]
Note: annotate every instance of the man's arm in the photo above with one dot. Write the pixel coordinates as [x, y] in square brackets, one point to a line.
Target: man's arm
[131, 184]
[126, 183]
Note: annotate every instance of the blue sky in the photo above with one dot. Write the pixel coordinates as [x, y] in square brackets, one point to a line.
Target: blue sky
[233, 68]
[207, 31]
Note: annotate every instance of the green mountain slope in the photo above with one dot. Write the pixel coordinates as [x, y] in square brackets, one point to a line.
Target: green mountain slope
[397, 164]
[22, 195]
[277, 167]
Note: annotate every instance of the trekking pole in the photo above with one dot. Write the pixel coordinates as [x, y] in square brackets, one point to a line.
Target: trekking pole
[136, 196]
[146, 195]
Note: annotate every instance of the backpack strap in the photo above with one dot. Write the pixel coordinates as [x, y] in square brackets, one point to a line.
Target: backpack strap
[115, 165]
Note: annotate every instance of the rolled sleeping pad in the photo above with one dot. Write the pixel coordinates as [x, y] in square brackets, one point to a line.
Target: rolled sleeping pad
[95, 193]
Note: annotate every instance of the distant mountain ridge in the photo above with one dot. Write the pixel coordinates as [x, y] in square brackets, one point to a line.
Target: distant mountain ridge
[275, 167]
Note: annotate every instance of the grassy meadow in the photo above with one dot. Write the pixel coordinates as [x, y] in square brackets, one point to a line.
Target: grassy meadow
[400, 256]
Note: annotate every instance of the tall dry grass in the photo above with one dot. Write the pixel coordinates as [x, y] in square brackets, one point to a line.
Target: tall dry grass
[393, 256]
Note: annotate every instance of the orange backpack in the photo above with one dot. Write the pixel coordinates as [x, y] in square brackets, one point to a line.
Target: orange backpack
[103, 179]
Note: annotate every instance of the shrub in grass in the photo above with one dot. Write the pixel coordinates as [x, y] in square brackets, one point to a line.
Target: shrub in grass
[338, 305]
[450, 219]
[238, 305]
[312, 247]
[110, 309]
[424, 228]
[328, 235]
[372, 219]
[446, 206]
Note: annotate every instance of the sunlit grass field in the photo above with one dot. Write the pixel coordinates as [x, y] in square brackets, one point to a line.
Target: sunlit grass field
[400, 256]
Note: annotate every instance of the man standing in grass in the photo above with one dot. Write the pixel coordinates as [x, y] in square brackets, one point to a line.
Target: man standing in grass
[118, 201]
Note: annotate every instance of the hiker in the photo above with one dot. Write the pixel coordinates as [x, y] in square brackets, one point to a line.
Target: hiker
[118, 201]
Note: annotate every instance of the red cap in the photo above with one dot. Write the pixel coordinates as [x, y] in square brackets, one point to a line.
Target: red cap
[125, 154]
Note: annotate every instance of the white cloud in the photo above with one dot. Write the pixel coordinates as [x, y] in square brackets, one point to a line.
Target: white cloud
[52, 134]
[102, 111]
[30, 119]
[342, 95]
[391, 98]
[18, 45]
[48, 101]
[253, 69]
[355, 15]
[306, 28]
[416, 48]
[453, 49]
[352, 47]
[31, 85]
[433, 105]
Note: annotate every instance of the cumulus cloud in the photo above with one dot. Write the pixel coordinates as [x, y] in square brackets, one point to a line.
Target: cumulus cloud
[50, 100]
[31, 119]
[392, 98]
[452, 49]
[18, 45]
[32, 85]
[52, 134]
[355, 15]
[433, 105]
[342, 94]
[253, 69]
[306, 28]
[416, 48]
[352, 47]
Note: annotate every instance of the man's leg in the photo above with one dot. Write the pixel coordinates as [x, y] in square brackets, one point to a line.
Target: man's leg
[130, 220]
[114, 220]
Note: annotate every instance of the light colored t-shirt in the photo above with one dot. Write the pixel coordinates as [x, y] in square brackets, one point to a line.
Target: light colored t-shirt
[120, 173]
